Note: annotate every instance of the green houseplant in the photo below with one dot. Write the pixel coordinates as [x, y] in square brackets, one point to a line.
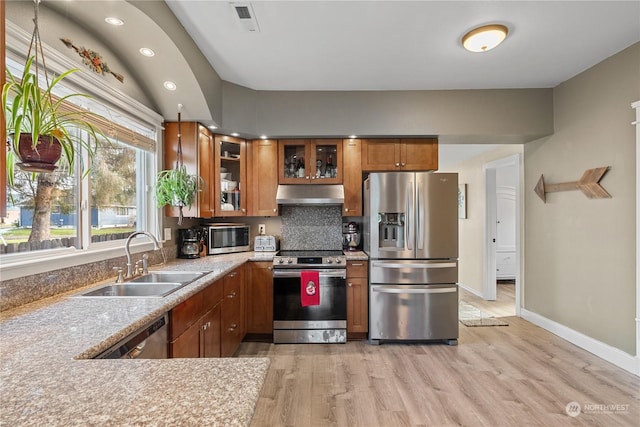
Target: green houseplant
[176, 187]
[40, 126]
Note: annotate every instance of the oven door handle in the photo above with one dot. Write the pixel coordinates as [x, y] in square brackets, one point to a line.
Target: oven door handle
[339, 273]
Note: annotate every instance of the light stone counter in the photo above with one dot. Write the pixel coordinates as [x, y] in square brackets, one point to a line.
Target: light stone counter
[48, 376]
[356, 255]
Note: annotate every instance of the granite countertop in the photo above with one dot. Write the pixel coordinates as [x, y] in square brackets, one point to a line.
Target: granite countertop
[356, 255]
[49, 377]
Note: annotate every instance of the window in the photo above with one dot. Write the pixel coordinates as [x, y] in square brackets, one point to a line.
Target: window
[70, 214]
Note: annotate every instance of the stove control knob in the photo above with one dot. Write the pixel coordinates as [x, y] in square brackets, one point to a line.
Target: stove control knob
[329, 261]
[338, 260]
[280, 261]
[289, 261]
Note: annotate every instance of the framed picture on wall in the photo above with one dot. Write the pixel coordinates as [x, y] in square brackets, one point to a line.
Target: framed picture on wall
[462, 201]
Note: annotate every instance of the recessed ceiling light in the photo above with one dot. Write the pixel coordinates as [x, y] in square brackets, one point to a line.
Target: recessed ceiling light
[114, 21]
[145, 51]
[213, 127]
[170, 85]
[484, 38]
[235, 134]
[352, 136]
[263, 136]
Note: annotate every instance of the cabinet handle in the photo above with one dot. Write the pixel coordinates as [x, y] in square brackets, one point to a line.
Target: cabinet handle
[275, 210]
[232, 295]
[403, 164]
[270, 268]
[357, 264]
[397, 165]
[233, 327]
[346, 209]
[244, 210]
[350, 284]
[233, 274]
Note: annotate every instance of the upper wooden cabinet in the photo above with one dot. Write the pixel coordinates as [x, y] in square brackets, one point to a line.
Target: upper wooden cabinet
[262, 176]
[197, 156]
[406, 154]
[310, 161]
[230, 180]
[352, 177]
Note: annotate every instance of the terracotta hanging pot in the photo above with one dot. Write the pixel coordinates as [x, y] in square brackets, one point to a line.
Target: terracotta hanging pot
[39, 158]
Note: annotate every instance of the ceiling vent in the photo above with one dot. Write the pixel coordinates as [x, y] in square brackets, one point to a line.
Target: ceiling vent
[246, 17]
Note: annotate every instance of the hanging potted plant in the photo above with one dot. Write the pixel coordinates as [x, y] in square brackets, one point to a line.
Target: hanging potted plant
[40, 127]
[40, 131]
[176, 187]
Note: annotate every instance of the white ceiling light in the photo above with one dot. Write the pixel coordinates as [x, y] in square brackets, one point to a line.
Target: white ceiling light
[145, 51]
[263, 136]
[484, 38]
[112, 20]
[235, 134]
[170, 85]
[212, 127]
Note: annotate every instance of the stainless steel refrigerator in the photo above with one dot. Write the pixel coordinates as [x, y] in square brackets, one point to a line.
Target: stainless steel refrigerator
[411, 236]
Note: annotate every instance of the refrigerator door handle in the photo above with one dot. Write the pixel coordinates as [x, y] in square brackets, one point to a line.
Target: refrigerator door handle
[413, 290]
[409, 235]
[420, 213]
[416, 265]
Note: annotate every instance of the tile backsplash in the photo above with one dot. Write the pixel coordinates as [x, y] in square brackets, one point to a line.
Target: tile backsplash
[311, 228]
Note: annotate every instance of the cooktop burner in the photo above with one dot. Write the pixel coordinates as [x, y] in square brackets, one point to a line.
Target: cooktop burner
[309, 253]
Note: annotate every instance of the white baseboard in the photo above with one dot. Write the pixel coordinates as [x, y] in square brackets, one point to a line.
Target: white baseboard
[470, 290]
[604, 351]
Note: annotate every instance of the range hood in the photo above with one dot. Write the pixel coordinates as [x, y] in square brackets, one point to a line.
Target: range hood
[316, 194]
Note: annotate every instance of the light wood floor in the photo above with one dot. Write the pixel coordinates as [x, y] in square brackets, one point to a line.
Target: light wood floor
[504, 305]
[512, 375]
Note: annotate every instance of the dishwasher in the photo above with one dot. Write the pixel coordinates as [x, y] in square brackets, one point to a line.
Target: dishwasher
[149, 342]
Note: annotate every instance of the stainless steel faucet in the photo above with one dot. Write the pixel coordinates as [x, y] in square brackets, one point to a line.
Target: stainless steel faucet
[127, 251]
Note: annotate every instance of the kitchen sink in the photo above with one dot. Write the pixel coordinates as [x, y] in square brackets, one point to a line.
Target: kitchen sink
[154, 284]
[134, 290]
[182, 277]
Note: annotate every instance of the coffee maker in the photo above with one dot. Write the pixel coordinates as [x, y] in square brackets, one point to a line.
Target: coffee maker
[350, 237]
[189, 242]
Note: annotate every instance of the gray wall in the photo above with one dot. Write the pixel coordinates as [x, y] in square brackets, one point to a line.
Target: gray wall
[469, 116]
[580, 253]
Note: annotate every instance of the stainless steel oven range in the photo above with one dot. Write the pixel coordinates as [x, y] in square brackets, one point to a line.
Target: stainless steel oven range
[322, 323]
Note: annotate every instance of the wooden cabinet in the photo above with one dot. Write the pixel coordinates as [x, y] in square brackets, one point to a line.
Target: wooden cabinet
[352, 177]
[195, 324]
[198, 158]
[405, 154]
[233, 325]
[230, 190]
[310, 161]
[210, 323]
[262, 175]
[259, 298]
[357, 299]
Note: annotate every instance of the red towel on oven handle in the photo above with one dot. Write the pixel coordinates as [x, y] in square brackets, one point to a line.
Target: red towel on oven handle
[310, 288]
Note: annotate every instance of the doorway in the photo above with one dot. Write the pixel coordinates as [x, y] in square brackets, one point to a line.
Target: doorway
[502, 252]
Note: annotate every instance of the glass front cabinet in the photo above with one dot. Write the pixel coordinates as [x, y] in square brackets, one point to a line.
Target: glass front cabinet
[310, 161]
[230, 183]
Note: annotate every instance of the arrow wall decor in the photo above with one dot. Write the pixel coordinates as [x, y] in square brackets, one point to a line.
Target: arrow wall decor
[588, 184]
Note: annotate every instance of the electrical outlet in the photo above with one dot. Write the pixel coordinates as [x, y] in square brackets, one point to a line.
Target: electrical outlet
[167, 234]
[262, 229]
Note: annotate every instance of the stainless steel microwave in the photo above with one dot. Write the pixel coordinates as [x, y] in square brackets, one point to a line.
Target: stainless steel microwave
[228, 237]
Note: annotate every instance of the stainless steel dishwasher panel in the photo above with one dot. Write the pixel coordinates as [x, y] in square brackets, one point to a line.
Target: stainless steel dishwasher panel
[413, 312]
[148, 343]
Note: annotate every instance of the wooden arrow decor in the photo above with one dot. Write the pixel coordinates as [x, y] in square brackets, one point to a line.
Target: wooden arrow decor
[588, 184]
